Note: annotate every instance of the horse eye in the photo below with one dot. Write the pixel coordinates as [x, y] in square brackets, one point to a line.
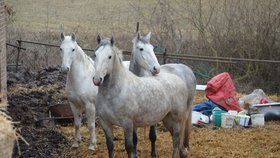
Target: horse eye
[60, 49]
[141, 49]
[110, 57]
[73, 50]
[94, 55]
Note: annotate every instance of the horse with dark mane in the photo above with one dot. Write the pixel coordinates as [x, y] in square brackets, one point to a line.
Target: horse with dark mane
[130, 101]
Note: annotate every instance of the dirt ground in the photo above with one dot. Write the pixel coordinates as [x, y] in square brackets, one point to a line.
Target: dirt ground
[31, 93]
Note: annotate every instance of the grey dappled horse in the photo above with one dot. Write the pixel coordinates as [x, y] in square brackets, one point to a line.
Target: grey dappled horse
[140, 64]
[129, 101]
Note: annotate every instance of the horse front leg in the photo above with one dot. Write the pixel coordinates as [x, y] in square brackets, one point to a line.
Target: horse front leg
[129, 145]
[90, 113]
[77, 124]
[108, 130]
[153, 138]
[135, 140]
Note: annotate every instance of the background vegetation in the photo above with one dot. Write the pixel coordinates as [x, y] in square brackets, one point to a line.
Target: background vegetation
[228, 28]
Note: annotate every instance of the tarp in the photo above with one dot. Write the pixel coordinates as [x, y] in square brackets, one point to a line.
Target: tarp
[206, 107]
[220, 90]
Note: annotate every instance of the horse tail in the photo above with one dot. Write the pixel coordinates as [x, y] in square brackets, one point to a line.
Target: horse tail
[188, 129]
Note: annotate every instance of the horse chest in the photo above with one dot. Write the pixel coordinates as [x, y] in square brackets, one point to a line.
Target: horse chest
[81, 96]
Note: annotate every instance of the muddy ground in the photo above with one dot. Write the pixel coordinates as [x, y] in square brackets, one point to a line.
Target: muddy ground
[30, 93]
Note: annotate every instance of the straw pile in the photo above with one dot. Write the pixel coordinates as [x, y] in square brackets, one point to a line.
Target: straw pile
[7, 133]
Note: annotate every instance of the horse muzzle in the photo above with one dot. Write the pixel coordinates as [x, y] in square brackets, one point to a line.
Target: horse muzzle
[97, 81]
[155, 70]
[65, 69]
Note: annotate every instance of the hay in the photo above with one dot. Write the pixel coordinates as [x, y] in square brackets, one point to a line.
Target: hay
[7, 134]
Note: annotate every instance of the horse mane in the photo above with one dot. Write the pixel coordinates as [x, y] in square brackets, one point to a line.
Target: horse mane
[82, 52]
[117, 51]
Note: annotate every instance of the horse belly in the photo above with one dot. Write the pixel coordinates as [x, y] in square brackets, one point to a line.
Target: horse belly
[147, 120]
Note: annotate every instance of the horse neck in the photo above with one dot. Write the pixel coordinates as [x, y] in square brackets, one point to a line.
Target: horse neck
[118, 75]
[135, 68]
[80, 63]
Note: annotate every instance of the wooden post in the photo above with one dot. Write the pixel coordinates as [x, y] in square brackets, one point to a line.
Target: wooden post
[164, 56]
[3, 62]
[18, 53]
[137, 27]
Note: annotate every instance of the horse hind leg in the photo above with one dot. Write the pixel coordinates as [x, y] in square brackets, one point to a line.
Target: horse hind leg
[77, 124]
[175, 139]
[153, 138]
[90, 114]
[188, 128]
[186, 147]
[173, 128]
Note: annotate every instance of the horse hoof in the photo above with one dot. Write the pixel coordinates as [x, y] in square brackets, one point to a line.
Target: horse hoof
[75, 145]
[92, 147]
[184, 153]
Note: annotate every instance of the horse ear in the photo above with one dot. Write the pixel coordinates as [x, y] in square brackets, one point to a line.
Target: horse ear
[62, 37]
[112, 40]
[73, 37]
[98, 39]
[148, 36]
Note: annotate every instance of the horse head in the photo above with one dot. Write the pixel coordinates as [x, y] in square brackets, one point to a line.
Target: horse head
[104, 58]
[68, 50]
[144, 55]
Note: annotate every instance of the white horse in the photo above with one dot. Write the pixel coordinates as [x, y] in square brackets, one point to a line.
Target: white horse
[140, 64]
[129, 101]
[80, 90]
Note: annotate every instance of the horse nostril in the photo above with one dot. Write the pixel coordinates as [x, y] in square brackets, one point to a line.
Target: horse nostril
[68, 68]
[100, 79]
[155, 68]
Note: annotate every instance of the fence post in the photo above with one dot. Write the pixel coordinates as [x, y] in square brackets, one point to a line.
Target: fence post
[18, 52]
[137, 27]
[164, 56]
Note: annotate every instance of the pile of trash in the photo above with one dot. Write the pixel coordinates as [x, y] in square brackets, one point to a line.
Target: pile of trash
[228, 119]
[224, 109]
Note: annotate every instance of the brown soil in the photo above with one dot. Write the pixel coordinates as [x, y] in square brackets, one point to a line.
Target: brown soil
[31, 94]
[205, 142]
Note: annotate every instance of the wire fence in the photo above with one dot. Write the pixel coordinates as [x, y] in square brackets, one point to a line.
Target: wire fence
[163, 55]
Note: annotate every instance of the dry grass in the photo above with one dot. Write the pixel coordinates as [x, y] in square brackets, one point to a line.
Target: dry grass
[238, 29]
[7, 133]
[205, 142]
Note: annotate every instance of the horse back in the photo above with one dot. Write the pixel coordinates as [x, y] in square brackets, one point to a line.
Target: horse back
[184, 72]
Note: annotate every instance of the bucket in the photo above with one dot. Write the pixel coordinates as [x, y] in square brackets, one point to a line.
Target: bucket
[195, 117]
[217, 117]
[204, 119]
[227, 120]
[243, 120]
[257, 120]
[233, 112]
